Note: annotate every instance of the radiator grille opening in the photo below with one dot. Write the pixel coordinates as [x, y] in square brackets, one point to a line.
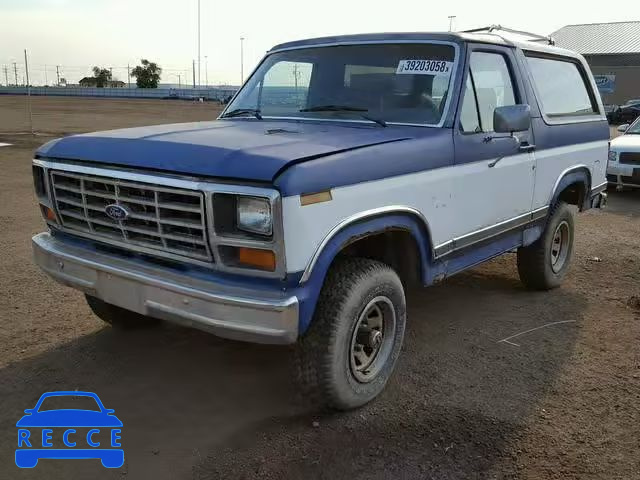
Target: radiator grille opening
[165, 219]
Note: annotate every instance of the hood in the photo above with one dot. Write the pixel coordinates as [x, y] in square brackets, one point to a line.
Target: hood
[69, 418]
[627, 142]
[235, 149]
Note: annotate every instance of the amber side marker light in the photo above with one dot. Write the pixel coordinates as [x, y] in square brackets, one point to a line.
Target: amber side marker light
[48, 214]
[255, 257]
[318, 197]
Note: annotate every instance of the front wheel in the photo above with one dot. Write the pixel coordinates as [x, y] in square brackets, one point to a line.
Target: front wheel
[544, 264]
[349, 352]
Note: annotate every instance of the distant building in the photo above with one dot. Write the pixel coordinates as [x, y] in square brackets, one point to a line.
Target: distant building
[613, 53]
[92, 82]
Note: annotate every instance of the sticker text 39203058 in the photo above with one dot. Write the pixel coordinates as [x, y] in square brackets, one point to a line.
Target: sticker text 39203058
[424, 67]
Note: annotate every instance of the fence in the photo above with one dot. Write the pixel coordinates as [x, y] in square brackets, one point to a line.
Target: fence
[166, 93]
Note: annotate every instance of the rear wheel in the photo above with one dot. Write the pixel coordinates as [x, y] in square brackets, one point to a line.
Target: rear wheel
[351, 348]
[118, 317]
[544, 264]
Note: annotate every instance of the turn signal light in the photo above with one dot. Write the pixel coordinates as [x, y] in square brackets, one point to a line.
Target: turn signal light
[255, 257]
[48, 214]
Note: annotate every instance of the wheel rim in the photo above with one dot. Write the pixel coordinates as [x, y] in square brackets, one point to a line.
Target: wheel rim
[372, 339]
[560, 246]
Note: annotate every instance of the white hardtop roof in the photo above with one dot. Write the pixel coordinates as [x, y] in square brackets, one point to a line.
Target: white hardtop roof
[496, 37]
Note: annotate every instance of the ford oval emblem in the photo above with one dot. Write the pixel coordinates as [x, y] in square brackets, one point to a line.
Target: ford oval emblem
[116, 212]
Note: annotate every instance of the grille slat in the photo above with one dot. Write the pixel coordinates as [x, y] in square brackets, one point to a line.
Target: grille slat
[165, 219]
[632, 158]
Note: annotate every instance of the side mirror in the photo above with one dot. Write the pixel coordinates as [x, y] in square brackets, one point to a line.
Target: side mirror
[623, 128]
[29, 411]
[512, 118]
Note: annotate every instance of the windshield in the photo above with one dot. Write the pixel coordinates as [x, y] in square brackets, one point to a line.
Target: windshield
[634, 128]
[66, 402]
[402, 83]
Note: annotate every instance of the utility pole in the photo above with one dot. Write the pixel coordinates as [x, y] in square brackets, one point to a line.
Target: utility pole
[179, 81]
[199, 43]
[15, 72]
[58, 75]
[451, 19]
[26, 69]
[206, 71]
[6, 75]
[128, 76]
[46, 80]
[193, 69]
[241, 60]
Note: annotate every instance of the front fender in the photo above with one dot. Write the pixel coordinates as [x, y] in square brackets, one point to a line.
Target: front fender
[313, 278]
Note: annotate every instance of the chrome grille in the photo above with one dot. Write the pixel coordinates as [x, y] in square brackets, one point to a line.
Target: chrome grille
[168, 220]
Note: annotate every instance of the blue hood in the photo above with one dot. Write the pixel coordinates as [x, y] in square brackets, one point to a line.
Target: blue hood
[235, 149]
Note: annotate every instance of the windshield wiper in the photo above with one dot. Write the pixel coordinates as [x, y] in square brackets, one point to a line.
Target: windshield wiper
[243, 111]
[345, 108]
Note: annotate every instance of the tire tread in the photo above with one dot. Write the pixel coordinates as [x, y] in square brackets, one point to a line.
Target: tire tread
[316, 349]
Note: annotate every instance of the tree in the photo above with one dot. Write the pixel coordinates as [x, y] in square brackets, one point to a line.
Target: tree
[102, 76]
[147, 75]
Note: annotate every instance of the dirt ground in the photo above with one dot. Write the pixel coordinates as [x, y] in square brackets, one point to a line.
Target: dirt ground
[560, 402]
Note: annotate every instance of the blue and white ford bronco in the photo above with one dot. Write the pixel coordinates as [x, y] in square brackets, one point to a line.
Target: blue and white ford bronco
[343, 170]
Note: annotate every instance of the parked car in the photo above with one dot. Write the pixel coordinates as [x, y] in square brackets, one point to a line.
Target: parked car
[345, 169]
[623, 169]
[613, 113]
[628, 112]
[59, 433]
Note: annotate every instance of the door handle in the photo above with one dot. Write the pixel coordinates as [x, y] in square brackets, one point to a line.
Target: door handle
[493, 163]
[527, 148]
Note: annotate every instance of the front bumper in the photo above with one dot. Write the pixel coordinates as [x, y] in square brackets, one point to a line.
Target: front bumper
[227, 311]
[623, 175]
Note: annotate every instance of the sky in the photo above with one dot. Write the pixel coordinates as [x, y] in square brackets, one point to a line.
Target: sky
[78, 34]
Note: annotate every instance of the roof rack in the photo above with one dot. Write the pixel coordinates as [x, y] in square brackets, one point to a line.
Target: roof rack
[534, 36]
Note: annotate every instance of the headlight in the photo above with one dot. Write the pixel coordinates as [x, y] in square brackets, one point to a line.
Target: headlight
[254, 215]
[613, 156]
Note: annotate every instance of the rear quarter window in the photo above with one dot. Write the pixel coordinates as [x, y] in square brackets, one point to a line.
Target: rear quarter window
[561, 87]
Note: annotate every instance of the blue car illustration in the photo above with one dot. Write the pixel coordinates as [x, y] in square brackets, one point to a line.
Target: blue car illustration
[82, 431]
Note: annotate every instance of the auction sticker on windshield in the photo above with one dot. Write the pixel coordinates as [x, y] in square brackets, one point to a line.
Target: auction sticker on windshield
[424, 67]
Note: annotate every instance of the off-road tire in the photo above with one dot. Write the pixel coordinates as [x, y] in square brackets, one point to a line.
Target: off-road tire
[324, 373]
[118, 317]
[535, 261]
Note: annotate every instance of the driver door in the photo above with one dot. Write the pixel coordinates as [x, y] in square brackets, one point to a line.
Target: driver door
[495, 172]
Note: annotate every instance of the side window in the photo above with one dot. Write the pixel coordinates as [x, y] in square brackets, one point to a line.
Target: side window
[561, 87]
[469, 119]
[493, 85]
